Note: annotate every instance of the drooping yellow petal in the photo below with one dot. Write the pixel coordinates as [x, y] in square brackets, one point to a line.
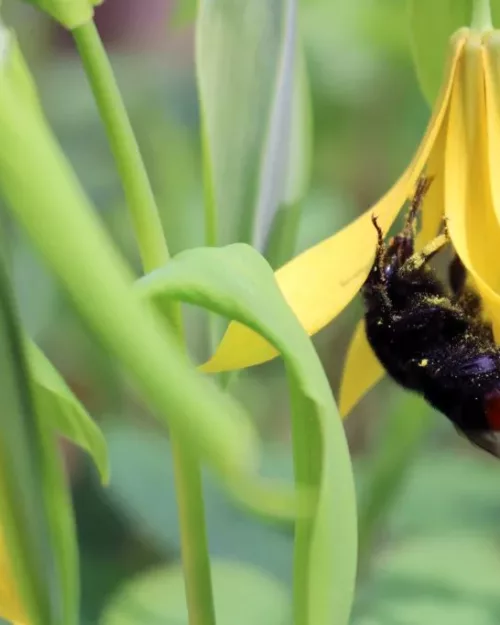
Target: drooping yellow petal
[433, 204]
[362, 371]
[491, 53]
[483, 234]
[472, 222]
[321, 281]
[10, 605]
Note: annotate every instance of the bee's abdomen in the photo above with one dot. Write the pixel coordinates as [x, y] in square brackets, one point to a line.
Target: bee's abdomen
[403, 340]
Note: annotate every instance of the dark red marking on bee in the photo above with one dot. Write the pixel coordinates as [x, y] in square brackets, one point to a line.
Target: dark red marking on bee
[431, 338]
[492, 406]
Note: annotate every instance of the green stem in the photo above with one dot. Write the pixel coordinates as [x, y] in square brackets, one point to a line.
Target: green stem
[213, 327]
[481, 15]
[154, 253]
[306, 461]
[194, 548]
[136, 185]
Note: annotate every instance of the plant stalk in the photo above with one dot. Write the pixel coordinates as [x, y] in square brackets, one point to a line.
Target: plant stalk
[481, 15]
[154, 253]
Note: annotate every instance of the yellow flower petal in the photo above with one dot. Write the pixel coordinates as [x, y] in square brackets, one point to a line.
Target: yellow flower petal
[433, 204]
[361, 372]
[472, 223]
[321, 281]
[492, 84]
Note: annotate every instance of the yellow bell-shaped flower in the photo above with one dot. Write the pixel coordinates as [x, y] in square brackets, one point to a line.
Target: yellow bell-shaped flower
[460, 150]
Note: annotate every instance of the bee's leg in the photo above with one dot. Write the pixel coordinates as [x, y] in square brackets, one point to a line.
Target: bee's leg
[375, 287]
[380, 250]
[419, 259]
[423, 184]
[402, 246]
[465, 296]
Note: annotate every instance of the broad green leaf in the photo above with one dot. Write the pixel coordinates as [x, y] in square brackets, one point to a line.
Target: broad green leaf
[143, 489]
[298, 168]
[448, 578]
[432, 23]
[69, 13]
[282, 239]
[57, 406]
[237, 282]
[425, 610]
[448, 491]
[466, 564]
[35, 510]
[242, 595]
[245, 58]
[388, 467]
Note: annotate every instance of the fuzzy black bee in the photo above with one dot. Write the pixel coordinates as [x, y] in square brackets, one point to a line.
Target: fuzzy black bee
[432, 339]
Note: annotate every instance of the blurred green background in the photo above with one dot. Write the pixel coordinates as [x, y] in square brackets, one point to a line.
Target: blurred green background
[429, 503]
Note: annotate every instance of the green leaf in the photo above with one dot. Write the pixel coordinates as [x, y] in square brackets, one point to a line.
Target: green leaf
[432, 22]
[387, 468]
[58, 407]
[448, 491]
[422, 611]
[237, 282]
[62, 223]
[449, 578]
[281, 243]
[143, 488]
[35, 509]
[242, 595]
[468, 566]
[298, 168]
[245, 59]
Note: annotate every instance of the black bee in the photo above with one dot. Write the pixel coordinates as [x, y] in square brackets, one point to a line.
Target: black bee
[432, 339]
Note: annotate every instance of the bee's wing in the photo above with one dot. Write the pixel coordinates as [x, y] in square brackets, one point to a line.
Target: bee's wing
[465, 373]
[478, 365]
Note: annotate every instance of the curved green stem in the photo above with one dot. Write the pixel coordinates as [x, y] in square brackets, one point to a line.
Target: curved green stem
[154, 253]
[194, 545]
[139, 195]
